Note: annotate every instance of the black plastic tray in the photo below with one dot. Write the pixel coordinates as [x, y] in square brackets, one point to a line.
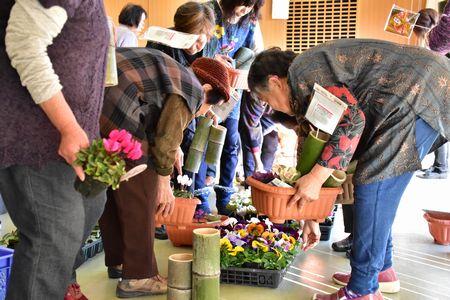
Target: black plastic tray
[252, 277]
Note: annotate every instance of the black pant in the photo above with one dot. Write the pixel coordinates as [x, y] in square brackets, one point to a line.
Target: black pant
[347, 211]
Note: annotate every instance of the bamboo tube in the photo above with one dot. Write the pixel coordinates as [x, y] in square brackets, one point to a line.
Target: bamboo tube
[206, 287]
[216, 139]
[197, 148]
[176, 294]
[337, 178]
[311, 151]
[180, 271]
[206, 252]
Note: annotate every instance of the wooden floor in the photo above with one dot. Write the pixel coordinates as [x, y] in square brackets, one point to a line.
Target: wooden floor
[423, 267]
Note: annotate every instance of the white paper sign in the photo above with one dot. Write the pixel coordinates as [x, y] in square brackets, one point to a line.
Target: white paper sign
[223, 110]
[169, 37]
[325, 109]
[280, 9]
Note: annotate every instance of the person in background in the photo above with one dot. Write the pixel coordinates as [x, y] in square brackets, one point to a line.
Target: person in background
[384, 128]
[427, 33]
[439, 36]
[236, 27]
[259, 136]
[155, 100]
[131, 23]
[52, 95]
[345, 245]
[193, 18]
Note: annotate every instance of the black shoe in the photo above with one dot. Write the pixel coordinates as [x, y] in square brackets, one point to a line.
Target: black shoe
[114, 273]
[348, 253]
[344, 245]
[161, 233]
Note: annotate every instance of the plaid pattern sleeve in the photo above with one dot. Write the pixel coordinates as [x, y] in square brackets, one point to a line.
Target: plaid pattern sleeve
[146, 79]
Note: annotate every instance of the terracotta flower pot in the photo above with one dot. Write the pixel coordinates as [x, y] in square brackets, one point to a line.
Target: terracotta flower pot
[272, 201]
[181, 235]
[182, 214]
[238, 79]
[439, 226]
[347, 196]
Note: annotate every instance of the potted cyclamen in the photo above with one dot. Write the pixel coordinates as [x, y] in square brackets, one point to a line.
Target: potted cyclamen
[184, 207]
[104, 163]
[257, 252]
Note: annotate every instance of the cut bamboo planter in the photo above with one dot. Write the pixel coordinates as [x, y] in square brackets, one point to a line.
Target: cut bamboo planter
[311, 151]
[347, 196]
[206, 264]
[198, 146]
[180, 277]
[216, 140]
[272, 201]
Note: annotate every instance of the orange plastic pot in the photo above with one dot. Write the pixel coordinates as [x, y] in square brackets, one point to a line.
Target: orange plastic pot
[183, 212]
[272, 201]
[439, 226]
[181, 235]
[238, 79]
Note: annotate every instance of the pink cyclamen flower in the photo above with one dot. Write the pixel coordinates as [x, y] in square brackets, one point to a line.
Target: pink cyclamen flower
[111, 145]
[136, 151]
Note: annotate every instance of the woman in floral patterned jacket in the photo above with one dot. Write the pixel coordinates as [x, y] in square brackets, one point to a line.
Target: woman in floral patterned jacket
[398, 101]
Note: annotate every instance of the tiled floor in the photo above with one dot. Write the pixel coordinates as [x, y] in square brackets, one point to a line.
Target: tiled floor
[423, 267]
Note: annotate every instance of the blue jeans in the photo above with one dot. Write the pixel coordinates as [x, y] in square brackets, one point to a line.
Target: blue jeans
[228, 164]
[374, 212]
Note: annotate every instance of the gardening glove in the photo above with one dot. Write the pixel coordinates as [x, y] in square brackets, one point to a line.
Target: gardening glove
[311, 235]
[164, 196]
[179, 159]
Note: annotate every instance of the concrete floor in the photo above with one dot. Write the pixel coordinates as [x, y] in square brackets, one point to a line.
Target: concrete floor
[423, 267]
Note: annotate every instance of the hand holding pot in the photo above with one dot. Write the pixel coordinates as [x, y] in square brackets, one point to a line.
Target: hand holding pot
[164, 196]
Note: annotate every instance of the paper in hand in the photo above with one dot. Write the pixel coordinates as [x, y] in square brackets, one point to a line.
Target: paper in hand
[169, 37]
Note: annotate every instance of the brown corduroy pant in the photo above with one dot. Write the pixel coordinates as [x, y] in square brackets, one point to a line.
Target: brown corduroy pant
[128, 227]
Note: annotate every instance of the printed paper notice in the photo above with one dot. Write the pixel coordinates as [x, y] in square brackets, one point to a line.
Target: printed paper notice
[325, 110]
[169, 37]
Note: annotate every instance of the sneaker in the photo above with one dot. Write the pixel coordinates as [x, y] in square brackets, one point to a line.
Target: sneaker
[131, 288]
[342, 295]
[432, 173]
[343, 245]
[387, 280]
[74, 293]
[161, 233]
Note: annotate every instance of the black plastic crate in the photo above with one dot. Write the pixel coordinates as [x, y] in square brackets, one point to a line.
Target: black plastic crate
[252, 277]
[92, 249]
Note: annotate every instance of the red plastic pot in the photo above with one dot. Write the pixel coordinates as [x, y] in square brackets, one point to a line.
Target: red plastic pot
[272, 201]
[183, 212]
[439, 226]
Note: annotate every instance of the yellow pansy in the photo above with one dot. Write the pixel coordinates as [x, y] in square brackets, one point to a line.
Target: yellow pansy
[242, 233]
[236, 250]
[285, 237]
[226, 242]
[263, 247]
[292, 240]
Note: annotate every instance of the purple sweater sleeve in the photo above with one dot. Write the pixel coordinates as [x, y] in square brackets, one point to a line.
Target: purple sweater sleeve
[439, 36]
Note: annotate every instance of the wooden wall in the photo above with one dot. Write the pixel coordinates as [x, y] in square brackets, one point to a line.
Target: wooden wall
[371, 17]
